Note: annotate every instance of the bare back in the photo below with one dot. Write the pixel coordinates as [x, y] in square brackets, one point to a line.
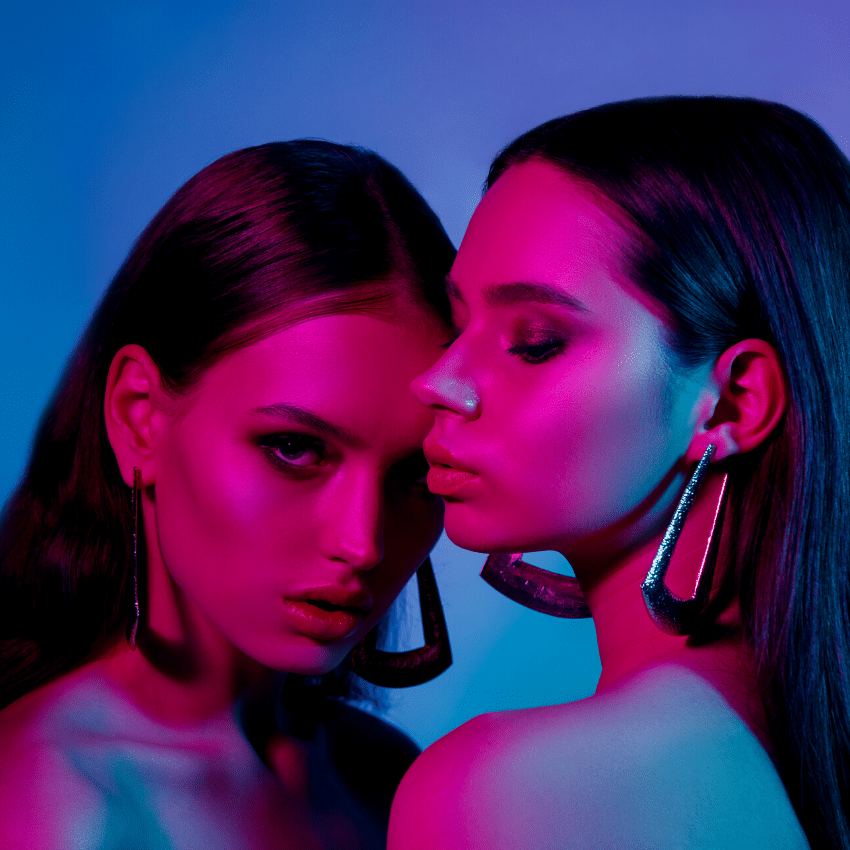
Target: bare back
[661, 760]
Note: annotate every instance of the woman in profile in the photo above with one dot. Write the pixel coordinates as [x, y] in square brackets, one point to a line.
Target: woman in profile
[224, 497]
[652, 312]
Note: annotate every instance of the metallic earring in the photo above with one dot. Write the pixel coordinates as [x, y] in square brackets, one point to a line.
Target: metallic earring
[133, 627]
[671, 614]
[535, 588]
[403, 669]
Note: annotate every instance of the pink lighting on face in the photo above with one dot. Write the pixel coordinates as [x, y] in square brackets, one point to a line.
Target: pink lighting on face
[577, 415]
[447, 482]
[446, 476]
[322, 624]
[329, 613]
[289, 504]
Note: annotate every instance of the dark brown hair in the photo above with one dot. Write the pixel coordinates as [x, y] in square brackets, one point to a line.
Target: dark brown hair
[741, 215]
[260, 234]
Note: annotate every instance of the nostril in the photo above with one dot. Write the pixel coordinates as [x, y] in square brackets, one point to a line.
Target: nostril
[422, 389]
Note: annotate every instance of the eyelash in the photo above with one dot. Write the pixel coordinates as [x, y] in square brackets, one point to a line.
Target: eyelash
[409, 473]
[537, 352]
[531, 352]
[452, 340]
[302, 443]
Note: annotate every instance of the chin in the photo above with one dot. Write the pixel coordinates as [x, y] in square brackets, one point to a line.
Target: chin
[470, 542]
[492, 535]
[487, 541]
[311, 660]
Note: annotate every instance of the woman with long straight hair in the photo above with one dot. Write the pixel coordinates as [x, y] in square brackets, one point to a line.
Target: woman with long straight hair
[652, 311]
[224, 497]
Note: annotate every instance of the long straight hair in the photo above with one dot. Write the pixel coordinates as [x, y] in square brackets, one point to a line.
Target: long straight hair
[739, 211]
[262, 235]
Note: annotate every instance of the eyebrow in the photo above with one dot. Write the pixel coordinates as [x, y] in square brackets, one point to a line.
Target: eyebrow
[308, 419]
[522, 292]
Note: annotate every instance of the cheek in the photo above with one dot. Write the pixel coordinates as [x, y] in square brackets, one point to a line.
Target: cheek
[218, 518]
[591, 448]
[201, 496]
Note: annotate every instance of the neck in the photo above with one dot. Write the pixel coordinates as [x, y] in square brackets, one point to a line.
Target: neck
[628, 639]
[183, 670]
[168, 682]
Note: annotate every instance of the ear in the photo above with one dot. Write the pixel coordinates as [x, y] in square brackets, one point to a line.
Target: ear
[133, 387]
[749, 400]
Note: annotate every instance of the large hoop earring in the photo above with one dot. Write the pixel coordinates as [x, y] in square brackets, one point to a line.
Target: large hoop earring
[541, 590]
[404, 669]
[671, 614]
[133, 626]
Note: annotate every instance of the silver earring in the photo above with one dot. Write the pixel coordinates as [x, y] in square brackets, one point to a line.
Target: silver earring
[134, 623]
[535, 588]
[671, 614]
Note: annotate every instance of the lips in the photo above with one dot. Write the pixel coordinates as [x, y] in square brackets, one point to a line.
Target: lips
[438, 455]
[328, 613]
[446, 476]
[335, 596]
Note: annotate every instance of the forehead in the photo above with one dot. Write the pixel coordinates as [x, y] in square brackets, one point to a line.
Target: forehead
[353, 369]
[538, 222]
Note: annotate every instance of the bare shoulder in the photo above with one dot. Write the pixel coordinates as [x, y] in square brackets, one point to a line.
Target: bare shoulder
[662, 761]
[45, 802]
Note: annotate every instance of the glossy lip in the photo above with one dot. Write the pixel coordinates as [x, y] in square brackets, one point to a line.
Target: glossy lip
[351, 608]
[446, 476]
[438, 455]
[334, 594]
[446, 482]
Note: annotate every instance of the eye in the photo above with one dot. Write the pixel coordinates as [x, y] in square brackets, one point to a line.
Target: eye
[294, 451]
[538, 350]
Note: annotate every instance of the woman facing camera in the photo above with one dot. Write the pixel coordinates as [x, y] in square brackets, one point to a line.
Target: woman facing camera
[652, 311]
[228, 487]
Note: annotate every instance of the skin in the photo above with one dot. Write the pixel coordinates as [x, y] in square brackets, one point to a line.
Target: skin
[238, 488]
[245, 505]
[559, 396]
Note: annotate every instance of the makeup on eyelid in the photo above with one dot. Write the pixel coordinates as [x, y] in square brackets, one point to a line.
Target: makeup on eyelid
[274, 447]
[550, 394]
[293, 475]
[538, 342]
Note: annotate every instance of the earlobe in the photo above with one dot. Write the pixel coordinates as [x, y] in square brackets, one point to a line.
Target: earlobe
[751, 399]
[131, 385]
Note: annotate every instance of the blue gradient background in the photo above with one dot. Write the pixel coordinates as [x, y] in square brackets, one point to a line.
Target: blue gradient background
[108, 107]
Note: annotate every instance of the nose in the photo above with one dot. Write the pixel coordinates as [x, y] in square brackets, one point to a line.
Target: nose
[355, 529]
[446, 387]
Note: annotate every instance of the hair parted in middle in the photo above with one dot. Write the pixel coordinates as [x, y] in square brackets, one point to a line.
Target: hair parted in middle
[260, 239]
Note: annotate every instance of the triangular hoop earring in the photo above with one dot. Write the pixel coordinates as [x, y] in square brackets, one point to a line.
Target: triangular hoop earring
[133, 626]
[535, 588]
[416, 666]
[671, 614]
